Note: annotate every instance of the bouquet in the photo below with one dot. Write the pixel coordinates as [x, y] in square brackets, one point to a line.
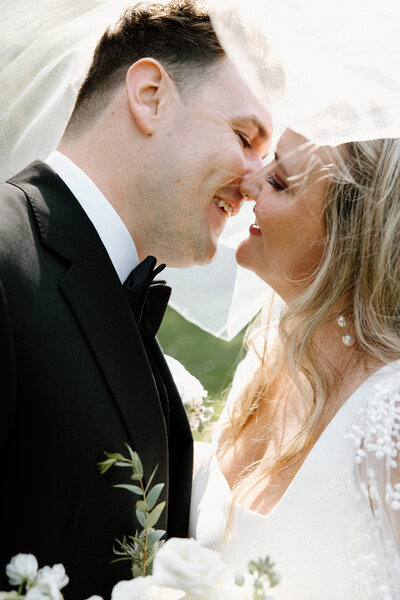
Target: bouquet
[177, 569]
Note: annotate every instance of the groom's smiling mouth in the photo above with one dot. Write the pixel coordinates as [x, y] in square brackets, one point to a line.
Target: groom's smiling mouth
[226, 208]
[229, 200]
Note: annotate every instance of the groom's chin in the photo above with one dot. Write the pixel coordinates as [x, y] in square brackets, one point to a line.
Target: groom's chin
[196, 258]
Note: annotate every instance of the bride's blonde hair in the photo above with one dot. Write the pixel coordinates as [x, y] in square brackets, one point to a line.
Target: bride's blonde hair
[361, 264]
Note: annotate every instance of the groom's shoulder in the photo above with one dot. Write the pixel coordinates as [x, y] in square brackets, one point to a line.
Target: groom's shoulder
[16, 191]
[15, 211]
[12, 191]
[32, 176]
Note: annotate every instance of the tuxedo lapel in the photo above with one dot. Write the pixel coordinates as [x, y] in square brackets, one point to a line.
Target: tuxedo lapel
[94, 294]
[97, 299]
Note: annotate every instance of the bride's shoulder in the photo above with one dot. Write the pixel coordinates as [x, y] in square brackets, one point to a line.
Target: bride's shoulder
[376, 425]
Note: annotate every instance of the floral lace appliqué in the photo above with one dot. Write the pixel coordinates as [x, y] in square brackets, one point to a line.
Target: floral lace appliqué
[374, 484]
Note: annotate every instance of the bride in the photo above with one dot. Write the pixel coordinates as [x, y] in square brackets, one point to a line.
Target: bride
[305, 465]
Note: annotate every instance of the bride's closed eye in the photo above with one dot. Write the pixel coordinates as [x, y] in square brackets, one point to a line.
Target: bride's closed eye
[276, 182]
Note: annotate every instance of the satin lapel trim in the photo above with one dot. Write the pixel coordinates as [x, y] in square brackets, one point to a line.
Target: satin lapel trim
[93, 292]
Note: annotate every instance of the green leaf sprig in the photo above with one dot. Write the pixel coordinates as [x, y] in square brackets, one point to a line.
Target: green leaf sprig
[265, 577]
[140, 548]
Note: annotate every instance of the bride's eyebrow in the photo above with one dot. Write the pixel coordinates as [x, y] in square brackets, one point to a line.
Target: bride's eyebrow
[279, 162]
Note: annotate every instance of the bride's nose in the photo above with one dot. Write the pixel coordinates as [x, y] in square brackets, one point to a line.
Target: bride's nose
[251, 186]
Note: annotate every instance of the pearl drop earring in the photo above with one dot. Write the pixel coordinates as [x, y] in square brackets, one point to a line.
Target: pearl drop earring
[347, 339]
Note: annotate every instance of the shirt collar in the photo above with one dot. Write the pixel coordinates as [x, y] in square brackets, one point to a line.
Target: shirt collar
[107, 222]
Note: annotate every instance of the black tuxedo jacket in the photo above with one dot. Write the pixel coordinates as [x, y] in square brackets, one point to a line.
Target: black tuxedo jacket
[76, 382]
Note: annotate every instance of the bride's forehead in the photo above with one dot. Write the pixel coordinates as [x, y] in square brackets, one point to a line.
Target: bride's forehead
[300, 154]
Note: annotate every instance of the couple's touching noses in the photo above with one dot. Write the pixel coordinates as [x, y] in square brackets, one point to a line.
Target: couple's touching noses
[162, 135]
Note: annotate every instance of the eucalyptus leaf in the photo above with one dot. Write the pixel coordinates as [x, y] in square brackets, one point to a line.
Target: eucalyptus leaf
[153, 495]
[136, 477]
[114, 455]
[105, 465]
[151, 478]
[155, 514]
[132, 488]
[109, 461]
[154, 536]
[136, 461]
[141, 518]
[142, 506]
[139, 468]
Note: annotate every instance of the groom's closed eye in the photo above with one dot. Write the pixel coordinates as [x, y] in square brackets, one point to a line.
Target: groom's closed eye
[258, 135]
[243, 139]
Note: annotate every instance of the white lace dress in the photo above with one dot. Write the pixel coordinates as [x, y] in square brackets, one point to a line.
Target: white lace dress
[332, 535]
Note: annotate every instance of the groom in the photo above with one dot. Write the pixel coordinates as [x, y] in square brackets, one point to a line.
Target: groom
[162, 134]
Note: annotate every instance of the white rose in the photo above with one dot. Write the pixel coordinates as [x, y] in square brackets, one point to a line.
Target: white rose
[144, 588]
[189, 388]
[224, 591]
[186, 565]
[22, 568]
[49, 581]
[55, 574]
[36, 593]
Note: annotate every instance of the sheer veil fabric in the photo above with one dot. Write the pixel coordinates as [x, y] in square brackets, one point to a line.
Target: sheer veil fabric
[329, 70]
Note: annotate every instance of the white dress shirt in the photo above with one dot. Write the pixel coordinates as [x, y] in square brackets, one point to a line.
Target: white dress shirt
[112, 231]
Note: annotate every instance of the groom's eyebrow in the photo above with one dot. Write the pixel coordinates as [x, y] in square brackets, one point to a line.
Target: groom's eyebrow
[255, 121]
[262, 133]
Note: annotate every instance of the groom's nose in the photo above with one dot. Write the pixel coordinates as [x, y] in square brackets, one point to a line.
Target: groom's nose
[251, 185]
[254, 163]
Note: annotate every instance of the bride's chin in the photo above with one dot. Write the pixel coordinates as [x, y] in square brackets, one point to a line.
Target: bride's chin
[241, 253]
[245, 256]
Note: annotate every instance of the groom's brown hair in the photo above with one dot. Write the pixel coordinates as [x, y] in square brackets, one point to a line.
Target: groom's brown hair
[178, 34]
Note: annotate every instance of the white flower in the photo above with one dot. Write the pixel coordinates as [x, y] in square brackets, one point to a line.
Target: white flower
[143, 588]
[22, 568]
[192, 394]
[93, 598]
[36, 593]
[186, 565]
[189, 388]
[13, 595]
[49, 582]
[55, 574]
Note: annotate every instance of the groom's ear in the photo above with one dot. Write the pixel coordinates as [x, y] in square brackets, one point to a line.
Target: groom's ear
[149, 89]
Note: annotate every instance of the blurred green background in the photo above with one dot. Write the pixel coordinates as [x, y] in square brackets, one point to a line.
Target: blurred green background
[210, 359]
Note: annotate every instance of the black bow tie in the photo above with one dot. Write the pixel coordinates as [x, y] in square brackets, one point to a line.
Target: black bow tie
[148, 299]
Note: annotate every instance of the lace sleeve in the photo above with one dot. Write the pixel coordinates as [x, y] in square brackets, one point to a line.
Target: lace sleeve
[375, 433]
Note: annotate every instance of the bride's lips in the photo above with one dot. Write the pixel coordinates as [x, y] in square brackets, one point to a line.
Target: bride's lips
[254, 228]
